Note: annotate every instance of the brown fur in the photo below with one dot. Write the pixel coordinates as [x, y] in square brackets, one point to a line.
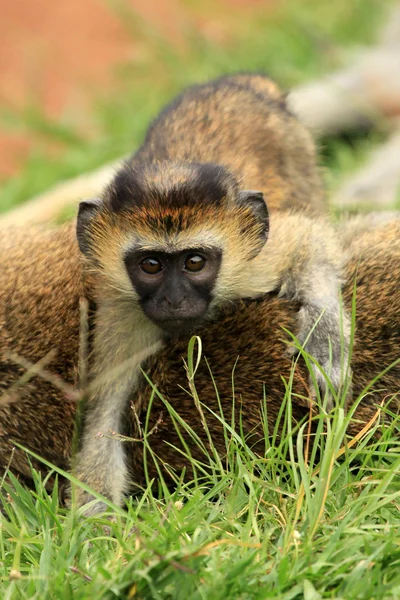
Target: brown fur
[39, 313]
[193, 184]
[242, 122]
[42, 418]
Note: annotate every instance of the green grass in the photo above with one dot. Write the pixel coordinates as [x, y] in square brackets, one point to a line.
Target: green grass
[284, 525]
[249, 527]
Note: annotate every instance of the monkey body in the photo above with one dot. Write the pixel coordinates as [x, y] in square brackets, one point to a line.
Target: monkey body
[41, 282]
[183, 202]
[39, 298]
[143, 218]
[177, 241]
[41, 417]
[242, 123]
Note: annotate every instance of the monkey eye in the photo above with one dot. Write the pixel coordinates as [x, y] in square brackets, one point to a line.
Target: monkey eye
[151, 266]
[194, 263]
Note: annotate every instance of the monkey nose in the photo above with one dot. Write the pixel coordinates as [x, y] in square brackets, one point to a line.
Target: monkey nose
[174, 301]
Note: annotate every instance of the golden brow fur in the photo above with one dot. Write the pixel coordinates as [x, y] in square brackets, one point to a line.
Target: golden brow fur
[113, 234]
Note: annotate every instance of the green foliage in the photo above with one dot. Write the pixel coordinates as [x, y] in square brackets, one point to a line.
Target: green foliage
[311, 518]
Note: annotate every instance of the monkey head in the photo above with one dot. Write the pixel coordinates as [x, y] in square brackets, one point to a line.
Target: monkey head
[173, 238]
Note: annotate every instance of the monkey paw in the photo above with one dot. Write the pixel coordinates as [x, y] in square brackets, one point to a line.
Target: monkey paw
[334, 378]
[91, 506]
[83, 498]
[328, 343]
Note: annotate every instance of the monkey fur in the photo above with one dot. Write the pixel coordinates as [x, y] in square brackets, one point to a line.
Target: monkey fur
[262, 144]
[242, 122]
[185, 192]
[124, 336]
[41, 416]
[254, 330]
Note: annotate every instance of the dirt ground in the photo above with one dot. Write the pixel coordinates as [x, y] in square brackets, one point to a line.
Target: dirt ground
[54, 55]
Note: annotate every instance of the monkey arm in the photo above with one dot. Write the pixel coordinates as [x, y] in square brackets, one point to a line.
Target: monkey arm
[302, 260]
[324, 330]
[101, 462]
[314, 279]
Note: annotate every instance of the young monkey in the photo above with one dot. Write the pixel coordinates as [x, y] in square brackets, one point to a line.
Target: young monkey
[165, 247]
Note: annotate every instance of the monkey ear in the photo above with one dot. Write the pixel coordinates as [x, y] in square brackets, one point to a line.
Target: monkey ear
[255, 200]
[87, 210]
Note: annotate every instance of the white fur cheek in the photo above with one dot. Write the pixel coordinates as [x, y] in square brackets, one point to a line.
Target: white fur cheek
[115, 278]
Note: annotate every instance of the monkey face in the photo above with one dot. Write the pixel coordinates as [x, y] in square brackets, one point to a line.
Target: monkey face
[158, 235]
[174, 289]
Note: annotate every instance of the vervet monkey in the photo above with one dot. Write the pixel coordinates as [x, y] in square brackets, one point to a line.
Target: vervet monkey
[182, 230]
[167, 246]
[39, 312]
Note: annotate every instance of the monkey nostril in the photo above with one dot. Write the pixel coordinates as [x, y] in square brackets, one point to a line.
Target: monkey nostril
[174, 302]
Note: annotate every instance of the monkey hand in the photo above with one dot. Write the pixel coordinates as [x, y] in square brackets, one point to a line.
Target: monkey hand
[82, 498]
[101, 466]
[86, 500]
[325, 335]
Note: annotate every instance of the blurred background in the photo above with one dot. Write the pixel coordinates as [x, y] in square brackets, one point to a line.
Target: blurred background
[80, 80]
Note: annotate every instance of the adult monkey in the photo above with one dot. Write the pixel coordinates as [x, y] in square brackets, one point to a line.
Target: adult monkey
[183, 229]
[255, 332]
[184, 201]
[43, 420]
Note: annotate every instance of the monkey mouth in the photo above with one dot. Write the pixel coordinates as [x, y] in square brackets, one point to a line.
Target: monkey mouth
[178, 327]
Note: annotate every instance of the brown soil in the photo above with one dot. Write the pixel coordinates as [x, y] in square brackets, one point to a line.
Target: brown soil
[53, 53]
